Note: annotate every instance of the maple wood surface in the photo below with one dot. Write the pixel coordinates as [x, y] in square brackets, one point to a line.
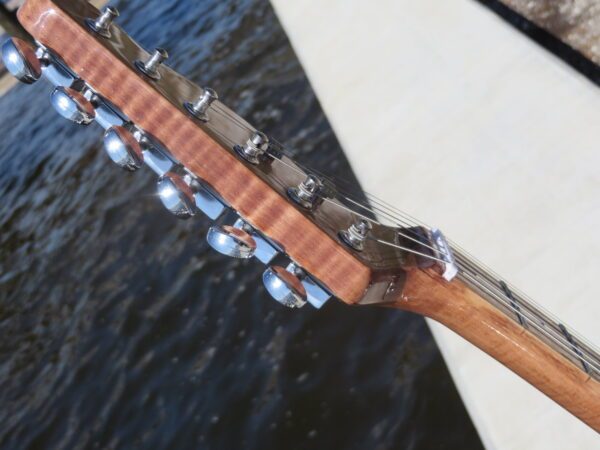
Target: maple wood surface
[119, 82]
[466, 313]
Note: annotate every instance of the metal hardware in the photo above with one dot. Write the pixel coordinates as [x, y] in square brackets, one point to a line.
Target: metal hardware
[150, 67]
[285, 286]
[206, 200]
[356, 234]
[443, 252]
[177, 195]
[574, 347]
[21, 61]
[255, 147]
[231, 241]
[306, 193]
[315, 294]
[101, 25]
[55, 69]
[513, 302]
[154, 157]
[123, 148]
[107, 115]
[199, 108]
[73, 105]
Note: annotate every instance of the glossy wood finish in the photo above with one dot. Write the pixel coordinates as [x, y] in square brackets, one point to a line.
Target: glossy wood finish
[469, 315]
[452, 304]
[117, 80]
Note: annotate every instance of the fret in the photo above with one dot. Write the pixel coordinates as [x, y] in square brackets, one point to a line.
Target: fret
[530, 316]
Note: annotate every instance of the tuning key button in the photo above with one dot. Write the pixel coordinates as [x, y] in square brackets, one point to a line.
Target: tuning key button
[255, 147]
[101, 25]
[123, 148]
[73, 105]
[150, 67]
[231, 241]
[177, 195]
[199, 108]
[285, 287]
[20, 60]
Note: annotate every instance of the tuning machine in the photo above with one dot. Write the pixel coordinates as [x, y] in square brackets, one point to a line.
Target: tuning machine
[74, 103]
[21, 61]
[293, 287]
[123, 144]
[284, 285]
[183, 195]
[237, 238]
[231, 241]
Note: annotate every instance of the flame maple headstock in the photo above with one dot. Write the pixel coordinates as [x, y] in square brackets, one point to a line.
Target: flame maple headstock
[211, 160]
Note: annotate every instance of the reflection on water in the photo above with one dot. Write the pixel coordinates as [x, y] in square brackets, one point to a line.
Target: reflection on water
[120, 329]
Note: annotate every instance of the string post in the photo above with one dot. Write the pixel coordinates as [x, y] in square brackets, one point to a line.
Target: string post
[101, 25]
[199, 108]
[306, 194]
[356, 234]
[151, 66]
[255, 147]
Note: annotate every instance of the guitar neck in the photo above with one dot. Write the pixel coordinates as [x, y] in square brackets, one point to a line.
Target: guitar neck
[513, 331]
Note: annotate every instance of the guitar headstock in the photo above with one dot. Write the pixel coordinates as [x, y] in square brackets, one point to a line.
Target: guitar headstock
[316, 240]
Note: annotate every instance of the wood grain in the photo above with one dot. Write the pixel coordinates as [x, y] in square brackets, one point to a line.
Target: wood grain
[576, 23]
[261, 206]
[466, 313]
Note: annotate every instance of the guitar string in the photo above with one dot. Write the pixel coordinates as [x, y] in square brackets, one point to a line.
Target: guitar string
[375, 221]
[385, 207]
[560, 341]
[389, 211]
[230, 142]
[376, 211]
[400, 247]
[468, 262]
[517, 303]
[305, 171]
[480, 269]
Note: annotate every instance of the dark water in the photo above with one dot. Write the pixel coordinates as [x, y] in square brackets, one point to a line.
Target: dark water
[119, 328]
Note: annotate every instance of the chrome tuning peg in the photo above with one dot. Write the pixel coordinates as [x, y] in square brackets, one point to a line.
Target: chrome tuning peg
[254, 148]
[306, 193]
[150, 67]
[123, 148]
[199, 108]
[231, 241]
[101, 24]
[177, 195]
[21, 61]
[356, 234]
[285, 286]
[73, 105]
